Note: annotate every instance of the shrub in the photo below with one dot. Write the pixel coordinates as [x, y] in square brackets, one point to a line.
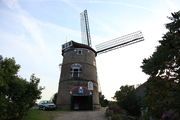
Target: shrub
[115, 109]
[122, 117]
[117, 114]
[112, 103]
[113, 112]
[109, 113]
[117, 117]
[126, 99]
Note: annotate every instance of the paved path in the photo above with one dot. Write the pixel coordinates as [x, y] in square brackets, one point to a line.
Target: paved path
[83, 115]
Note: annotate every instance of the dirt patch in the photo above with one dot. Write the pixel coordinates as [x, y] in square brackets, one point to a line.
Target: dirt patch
[83, 115]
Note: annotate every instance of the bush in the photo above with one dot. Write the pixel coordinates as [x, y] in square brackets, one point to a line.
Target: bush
[112, 110]
[109, 113]
[115, 109]
[117, 114]
[126, 99]
[112, 103]
[122, 117]
[117, 117]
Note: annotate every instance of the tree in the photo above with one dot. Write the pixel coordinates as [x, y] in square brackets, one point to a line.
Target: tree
[102, 101]
[17, 95]
[163, 86]
[54, 98]
[127, 100]
[106, 102]
[137, 85]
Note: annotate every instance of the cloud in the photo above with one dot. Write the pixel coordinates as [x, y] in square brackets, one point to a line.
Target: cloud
[101, 23]
[59, 28]
[129, 6]
[29, 24]
[16, 44]
[170, 3]
[12, 4]
[32, 27]
[112, 2]
[78, 9]
[72, 33]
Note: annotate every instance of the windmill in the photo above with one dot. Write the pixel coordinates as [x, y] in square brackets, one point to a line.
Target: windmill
[78, 84]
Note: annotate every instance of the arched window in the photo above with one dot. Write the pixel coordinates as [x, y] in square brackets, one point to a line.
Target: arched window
[75, 70]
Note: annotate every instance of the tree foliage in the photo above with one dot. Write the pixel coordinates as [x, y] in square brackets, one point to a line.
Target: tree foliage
[54, 98]
[102, 101]
[101, 98]
[127, 100]
[17, 95]
[163, 66]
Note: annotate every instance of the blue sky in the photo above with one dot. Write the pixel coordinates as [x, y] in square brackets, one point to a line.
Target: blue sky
[33, 31]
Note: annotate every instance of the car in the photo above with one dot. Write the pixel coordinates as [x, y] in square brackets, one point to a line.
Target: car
[46, 105]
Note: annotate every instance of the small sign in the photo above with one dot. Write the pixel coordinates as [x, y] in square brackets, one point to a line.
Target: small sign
[80, 90]
[90, 85]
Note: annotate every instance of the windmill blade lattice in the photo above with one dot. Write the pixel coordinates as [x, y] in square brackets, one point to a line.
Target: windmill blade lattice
[119, 42]
[85, 30]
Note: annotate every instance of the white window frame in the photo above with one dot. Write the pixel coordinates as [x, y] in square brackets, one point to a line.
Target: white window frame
[74, 71]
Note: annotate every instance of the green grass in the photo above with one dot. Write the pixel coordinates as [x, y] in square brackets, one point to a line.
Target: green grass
[35, 114]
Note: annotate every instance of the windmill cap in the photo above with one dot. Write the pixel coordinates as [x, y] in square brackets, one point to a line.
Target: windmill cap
[79, 45]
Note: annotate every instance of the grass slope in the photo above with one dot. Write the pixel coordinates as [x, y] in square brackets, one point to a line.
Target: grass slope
[35, 114]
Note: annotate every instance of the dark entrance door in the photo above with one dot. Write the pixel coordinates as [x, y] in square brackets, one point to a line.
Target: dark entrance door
[81, 99]
[80, 102]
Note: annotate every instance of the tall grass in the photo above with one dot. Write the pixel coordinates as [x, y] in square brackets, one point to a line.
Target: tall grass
[35, 114]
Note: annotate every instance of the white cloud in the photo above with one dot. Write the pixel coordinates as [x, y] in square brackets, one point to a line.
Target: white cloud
[35, 32]
[129, 6]
[12, 4]
[111, 2]
[29, 24]
[104, 26]
[170, 3]
[100, 23]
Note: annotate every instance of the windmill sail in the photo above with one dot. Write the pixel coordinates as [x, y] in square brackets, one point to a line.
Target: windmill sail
[119, 42]
[85, 31]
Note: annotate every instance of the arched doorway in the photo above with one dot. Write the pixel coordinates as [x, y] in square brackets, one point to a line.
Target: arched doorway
[81, 99]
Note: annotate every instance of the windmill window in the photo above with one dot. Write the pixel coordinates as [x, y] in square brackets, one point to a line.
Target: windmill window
[63, 46]
[79, 52]
[75, 70]
[70, 43]
[75, 73]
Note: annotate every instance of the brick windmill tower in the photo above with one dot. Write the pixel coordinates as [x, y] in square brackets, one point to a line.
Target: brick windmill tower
[78, 85]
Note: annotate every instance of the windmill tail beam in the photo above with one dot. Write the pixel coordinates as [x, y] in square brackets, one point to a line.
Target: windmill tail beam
[119, 42]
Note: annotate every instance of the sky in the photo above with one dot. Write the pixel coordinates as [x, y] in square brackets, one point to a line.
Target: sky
[32, 31]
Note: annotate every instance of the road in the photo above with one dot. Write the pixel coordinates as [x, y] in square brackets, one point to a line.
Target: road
[83, 115]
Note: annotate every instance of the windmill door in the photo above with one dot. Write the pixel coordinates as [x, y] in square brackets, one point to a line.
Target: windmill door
[81, 99]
